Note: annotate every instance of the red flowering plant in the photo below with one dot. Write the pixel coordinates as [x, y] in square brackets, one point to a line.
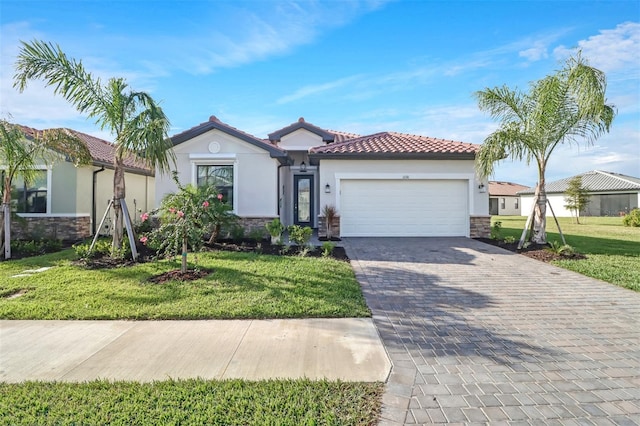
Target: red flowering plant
[185, 217]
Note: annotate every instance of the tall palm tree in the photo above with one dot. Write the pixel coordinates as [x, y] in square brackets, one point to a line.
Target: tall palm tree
[135, 120]
[568, 106]
[19, 154]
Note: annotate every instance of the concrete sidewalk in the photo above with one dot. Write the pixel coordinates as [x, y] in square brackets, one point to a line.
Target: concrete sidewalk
[347, 349]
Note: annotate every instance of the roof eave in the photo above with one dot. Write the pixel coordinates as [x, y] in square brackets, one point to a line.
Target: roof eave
[134, 170]
[278, 134]
[214, 125]
[392, 156]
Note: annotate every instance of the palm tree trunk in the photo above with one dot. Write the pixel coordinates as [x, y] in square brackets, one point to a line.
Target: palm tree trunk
[5, 231]
[5, 235]
[183, 269]
[539, 234]
[118, 194]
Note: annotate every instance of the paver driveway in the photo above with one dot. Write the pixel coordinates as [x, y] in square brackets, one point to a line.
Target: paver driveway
[479, 334]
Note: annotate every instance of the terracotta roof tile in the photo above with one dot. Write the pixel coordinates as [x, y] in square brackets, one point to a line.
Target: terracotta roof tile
[507, 189]
[215, 123]
[102, 152]
[397, 143]
[343, 136]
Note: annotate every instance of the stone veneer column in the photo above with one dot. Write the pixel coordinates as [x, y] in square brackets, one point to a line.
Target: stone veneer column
[322, 227]
[479, 226]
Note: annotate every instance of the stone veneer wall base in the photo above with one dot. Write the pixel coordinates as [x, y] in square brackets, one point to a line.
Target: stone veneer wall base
[480, 226]
[322, 227]
[68, 228]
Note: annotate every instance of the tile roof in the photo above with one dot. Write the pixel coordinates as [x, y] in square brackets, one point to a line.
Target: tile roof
[215, 123]
[594, 181]
[339, 136]
[398, 145]
[327, 136]
[507, 189]
[102, 152]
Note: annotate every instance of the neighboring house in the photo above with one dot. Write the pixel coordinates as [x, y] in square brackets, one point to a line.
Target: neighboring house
[68, 202]
[612, 194]
[385, 184]
[504, 199]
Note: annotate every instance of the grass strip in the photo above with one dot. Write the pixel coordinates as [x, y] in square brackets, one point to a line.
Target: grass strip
[612, 250]
[241, 285]
[191, 402]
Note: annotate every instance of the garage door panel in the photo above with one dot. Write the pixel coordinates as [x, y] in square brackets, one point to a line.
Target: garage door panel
[404, 208]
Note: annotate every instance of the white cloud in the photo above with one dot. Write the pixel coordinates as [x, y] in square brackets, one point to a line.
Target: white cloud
[535, 53]
[613, 50]
[316, 89]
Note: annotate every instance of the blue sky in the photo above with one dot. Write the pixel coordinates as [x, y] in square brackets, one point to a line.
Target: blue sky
[362, 67]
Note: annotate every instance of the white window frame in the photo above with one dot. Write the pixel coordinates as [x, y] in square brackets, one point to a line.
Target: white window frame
[49, 171]
[216, 160]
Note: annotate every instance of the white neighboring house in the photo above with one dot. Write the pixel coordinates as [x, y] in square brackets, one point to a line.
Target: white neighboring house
[385, 184]
[67, 202]
[504, 199]
[612, 194]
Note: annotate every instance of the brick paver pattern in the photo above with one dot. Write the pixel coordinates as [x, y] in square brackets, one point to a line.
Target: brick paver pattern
[477, 334]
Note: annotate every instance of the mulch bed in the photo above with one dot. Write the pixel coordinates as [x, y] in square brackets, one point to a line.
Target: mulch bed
[535, 251]
[244, 246]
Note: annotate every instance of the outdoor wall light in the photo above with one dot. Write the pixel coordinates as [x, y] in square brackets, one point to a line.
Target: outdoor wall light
[482, 188]
[303, 167]
[327, 189]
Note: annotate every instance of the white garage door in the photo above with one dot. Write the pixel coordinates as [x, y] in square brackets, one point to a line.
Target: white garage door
[380, 207]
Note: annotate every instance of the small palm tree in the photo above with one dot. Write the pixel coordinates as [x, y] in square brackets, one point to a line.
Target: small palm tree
[19, 155]
[568, 106]
[136, 121]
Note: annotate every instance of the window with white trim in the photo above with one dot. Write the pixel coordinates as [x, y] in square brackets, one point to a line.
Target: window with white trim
[219, 176]
[30, 196]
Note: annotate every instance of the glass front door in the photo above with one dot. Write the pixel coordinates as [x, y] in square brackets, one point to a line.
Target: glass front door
[303, 200]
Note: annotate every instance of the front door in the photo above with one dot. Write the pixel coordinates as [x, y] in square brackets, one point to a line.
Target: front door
[303, 200]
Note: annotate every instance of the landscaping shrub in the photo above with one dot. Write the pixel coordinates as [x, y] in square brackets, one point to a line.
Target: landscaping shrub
[558, 248]
[632, 218]
[237, 233]
[102, 249]
[35, 247]
[300, 235]
[496, 230]
[327, 248]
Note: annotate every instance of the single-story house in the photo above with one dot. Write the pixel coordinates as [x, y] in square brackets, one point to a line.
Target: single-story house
[504, 199]
[68, 202]
[612, 194]
[384, 184]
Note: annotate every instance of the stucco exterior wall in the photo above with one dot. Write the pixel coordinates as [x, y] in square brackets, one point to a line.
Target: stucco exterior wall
[331, 171]
[255, 172]
[557, 202]
[510, 203]
[300, 140]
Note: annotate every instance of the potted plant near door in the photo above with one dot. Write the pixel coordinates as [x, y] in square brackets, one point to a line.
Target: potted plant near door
[275, 229]
[330, 215]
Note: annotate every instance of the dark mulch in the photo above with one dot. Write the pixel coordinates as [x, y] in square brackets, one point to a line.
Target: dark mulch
[265, 247]
[535, 251]
[177, 275]
[244, 246]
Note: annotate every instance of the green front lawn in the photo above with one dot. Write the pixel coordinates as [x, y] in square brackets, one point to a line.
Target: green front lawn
[191, 402]
[613, 250]
[241, 285]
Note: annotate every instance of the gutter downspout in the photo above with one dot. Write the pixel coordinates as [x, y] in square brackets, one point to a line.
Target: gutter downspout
[93, 200]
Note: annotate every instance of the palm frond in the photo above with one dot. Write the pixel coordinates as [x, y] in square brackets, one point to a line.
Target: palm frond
[39, 60]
